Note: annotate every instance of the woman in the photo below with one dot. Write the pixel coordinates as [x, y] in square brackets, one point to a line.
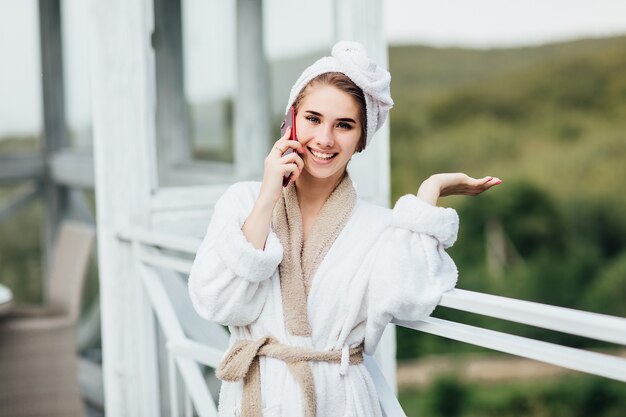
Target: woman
[307, 277]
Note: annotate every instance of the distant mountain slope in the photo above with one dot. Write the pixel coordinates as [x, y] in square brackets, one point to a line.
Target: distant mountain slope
[554, 115]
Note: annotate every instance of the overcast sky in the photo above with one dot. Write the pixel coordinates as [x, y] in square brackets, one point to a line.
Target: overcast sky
[291, 26]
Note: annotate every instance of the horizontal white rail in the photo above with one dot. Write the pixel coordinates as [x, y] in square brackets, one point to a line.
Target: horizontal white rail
[199, 352]
[566, 320]
[161, 240]
[167, 262]
[566, 357]
[581, 323]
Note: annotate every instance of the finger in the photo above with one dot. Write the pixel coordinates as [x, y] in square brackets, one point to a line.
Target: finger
[284, 145]
[282, 139]
[491, 183]
[300, 163]
[293, 144]
[286, 135]
[292, 169]
[495, 181]
[293, 158]
[294, 176]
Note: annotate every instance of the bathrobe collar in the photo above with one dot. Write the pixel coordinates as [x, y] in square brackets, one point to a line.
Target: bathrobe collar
[301, 259]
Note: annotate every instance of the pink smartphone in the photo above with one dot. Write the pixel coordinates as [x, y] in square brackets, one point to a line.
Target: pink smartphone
[288, 122]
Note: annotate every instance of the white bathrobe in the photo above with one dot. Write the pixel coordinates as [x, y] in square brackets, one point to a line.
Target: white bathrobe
[384, 265]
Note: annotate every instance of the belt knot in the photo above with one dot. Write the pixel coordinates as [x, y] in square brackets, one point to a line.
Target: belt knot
[242, 363]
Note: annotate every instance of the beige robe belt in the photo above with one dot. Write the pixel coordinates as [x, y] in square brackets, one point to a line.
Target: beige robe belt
[242, 363]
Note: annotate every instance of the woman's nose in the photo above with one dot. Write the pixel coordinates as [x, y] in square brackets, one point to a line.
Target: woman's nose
[325, 139]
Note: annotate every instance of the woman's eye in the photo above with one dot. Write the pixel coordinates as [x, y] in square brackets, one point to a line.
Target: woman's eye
[313, 119]
[344, 125]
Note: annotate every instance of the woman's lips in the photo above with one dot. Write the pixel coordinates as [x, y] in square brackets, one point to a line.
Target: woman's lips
[320, 158]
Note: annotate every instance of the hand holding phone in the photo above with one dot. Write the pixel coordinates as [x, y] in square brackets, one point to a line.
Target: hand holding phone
[288, 122]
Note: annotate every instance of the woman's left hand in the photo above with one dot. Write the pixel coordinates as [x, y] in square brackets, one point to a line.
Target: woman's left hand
[442, 185]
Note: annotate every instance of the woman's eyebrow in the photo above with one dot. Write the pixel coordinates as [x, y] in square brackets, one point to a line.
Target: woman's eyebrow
[342, 119]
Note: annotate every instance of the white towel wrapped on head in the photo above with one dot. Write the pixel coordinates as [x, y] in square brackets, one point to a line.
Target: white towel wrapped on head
[350, 58]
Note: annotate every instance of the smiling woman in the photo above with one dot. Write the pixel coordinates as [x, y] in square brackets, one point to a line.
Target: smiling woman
[307, 276]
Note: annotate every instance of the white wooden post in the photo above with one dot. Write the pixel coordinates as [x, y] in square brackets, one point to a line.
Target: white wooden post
[54, 132]
[123, 105]
[362, 21]
[252, 100]
[173, 141]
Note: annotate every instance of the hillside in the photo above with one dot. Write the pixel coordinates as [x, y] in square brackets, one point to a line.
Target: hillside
[551, 122]
[554, 115]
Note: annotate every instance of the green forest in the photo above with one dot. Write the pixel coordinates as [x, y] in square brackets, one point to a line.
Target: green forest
[550, 121]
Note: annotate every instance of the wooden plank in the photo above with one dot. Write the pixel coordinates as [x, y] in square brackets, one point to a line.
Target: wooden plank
[252, 100]
[90, 381]
[189, 370]
[55, 133]
[577, 359]
[20, 167]
[362, 21]
[566, 320]
[193, 173]
[123, 94]
[187, 198]
[172, 131]
[72, 168]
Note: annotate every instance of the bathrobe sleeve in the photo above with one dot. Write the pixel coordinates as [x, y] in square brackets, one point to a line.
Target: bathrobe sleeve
[409, 267]
[229, 280]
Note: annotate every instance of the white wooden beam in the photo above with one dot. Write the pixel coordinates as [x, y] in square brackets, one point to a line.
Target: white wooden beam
[577, 359]
[20, 167]
[252, 100]
[123, 105]
[189, 370]
[581, 323]
[362, 21]
[90, 381]
[172, 132]
[66, 167]
[72, 168]
[54, 132]
[196, 172]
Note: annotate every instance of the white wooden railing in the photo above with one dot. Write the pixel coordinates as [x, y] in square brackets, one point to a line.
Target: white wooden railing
[186, 355]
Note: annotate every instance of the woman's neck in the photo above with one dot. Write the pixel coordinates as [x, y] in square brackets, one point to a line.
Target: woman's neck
[313, 192]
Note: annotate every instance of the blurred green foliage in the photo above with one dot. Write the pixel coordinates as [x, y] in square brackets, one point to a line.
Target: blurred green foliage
[572, 396]
[551, 122]
[20, 251]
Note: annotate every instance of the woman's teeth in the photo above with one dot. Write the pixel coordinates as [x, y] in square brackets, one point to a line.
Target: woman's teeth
[322, 156]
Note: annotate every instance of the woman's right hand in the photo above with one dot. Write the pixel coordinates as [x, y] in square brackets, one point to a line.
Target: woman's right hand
[277, 165]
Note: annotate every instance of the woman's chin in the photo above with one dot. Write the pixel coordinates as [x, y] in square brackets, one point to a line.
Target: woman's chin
[322, 173]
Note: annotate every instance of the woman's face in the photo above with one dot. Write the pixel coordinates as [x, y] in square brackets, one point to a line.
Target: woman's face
[328, 125]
